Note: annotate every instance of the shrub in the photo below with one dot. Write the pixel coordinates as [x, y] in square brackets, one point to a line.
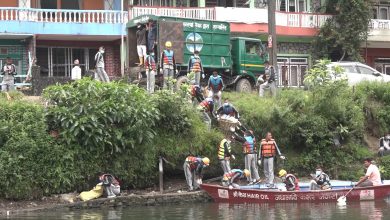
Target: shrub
[32, 163]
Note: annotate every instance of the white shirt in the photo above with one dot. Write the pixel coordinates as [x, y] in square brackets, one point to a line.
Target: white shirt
[373, 175]
[76, 73]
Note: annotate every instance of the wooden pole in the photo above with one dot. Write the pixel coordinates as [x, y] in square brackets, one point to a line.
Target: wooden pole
[161, 172]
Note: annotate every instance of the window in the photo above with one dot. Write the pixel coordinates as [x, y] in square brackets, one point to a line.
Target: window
[24, 3]
[349, 69]
[59, 61]
[48, 4]
[291, 5]
[301, 6]
[3, 51]
[375, 13]
[253, 48]
[282, 5]
[365, 70]
[383, 13]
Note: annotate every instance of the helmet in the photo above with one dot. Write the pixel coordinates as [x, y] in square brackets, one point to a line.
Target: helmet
[168, 44]
[282, 172]
[206, 161]
[246, 173]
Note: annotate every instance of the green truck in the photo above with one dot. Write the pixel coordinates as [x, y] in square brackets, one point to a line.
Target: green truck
[239, 60]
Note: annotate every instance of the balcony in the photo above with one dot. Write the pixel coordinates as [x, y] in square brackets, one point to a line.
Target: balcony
[235, 15]
[379, 33]
[54, 21]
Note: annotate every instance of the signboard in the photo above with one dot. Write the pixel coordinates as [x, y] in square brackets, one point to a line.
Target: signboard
[269, 41]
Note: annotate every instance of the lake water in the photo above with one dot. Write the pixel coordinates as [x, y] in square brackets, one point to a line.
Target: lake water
[210, 211]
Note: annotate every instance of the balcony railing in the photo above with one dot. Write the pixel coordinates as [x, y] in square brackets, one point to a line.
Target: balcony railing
[378, 24]
[63, 16]
[239, 15]
[195, 13]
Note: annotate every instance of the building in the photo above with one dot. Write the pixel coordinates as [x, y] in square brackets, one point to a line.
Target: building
[56, 32]
[376, 50]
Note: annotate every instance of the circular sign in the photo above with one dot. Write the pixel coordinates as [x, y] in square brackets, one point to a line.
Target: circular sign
[194, 42]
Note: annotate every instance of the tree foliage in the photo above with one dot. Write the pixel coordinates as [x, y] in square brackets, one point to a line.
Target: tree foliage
[342, 35]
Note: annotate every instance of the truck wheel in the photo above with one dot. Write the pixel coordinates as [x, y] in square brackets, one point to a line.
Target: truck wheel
[244, 85]
[181, 80]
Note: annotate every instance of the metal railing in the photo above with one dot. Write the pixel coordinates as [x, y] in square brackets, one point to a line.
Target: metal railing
[63, 16]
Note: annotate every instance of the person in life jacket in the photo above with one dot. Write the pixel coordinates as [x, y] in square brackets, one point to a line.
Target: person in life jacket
[250, 155]
[195, 66]
[206, 107]
[268, 151]
[193, 167]
[150, 66]
[195, 92]
[320, 181]
[110, 184]
[231, 178]
[225, 153]
[8, 71]
[216, 86]
[290, 181]
[168, 65]
[227, 109]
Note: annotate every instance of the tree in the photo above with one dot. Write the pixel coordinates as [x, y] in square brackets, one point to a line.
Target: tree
[341, 36]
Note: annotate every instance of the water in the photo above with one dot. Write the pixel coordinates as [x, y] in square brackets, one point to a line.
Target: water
[209, 211]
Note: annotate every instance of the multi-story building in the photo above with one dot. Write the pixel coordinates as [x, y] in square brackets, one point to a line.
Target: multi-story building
[376, 50]
[56, 32]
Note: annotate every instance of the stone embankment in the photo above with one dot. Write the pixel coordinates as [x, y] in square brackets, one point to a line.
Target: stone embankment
[149, 199]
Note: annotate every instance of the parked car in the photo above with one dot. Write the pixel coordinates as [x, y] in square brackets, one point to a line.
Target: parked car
[357, 72]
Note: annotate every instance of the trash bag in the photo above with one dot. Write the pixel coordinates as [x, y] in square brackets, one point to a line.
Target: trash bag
[96, 192]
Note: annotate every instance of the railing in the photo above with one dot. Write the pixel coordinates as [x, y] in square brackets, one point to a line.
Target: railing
[195, 13]
[63, 16]
[239, 15]
[378, 24]
[304, 20]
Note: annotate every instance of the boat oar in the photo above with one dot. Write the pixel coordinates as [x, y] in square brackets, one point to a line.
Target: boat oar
[343, 199]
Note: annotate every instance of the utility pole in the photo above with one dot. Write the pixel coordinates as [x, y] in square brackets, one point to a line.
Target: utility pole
[122, 53]
[272, 44]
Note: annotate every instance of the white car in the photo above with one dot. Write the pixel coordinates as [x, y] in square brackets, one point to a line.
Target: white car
[357, 72]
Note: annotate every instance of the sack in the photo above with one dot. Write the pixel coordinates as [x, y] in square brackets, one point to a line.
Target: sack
[96, 192]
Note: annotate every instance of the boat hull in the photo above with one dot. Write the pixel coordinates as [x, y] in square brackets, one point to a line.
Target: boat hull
[224, 194]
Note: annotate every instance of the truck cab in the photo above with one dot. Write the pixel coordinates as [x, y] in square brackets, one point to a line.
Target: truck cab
[248, 55]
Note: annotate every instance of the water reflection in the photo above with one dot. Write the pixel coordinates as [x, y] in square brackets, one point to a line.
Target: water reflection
[282, 211]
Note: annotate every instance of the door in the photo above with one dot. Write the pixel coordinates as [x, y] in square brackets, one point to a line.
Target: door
[172, 31]
[368, 74]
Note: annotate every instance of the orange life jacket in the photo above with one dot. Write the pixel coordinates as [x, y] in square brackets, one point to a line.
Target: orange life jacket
[268, 148]
[192, 161]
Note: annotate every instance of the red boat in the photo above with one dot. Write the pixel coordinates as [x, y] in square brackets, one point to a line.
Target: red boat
[224, 194]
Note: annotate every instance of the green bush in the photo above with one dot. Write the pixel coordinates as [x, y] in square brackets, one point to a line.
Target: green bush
[111, 116]
[32, 163]
[384, 167]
